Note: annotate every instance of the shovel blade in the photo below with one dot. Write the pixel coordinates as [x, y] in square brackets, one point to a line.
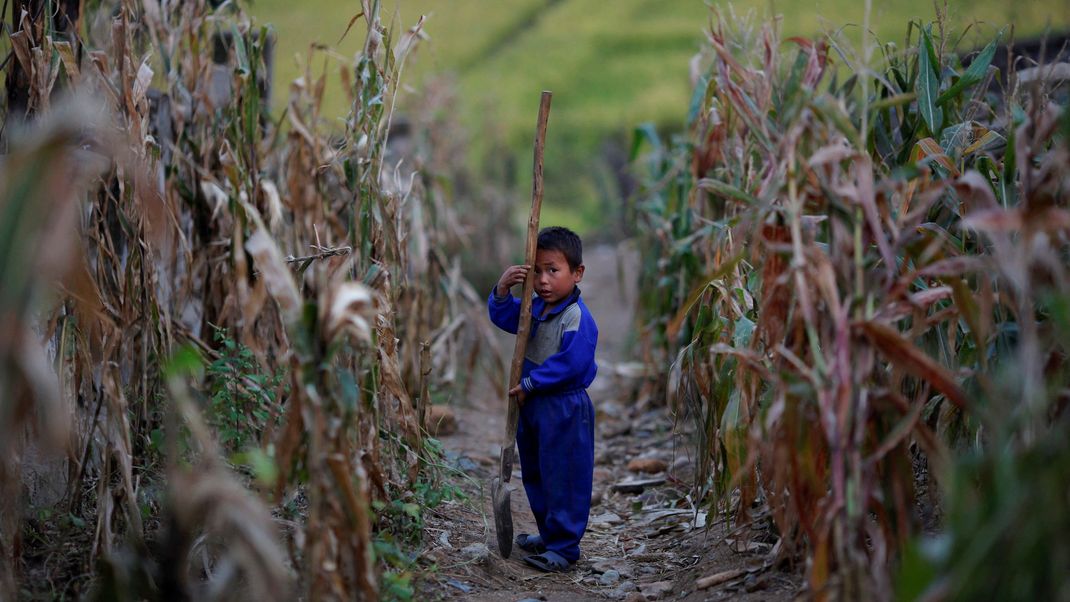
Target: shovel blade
[503, 517]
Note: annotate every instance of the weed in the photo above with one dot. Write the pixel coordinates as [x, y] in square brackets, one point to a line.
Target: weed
[243, 399]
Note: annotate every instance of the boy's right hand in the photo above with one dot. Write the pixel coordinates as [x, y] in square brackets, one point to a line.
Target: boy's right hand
[513, 274]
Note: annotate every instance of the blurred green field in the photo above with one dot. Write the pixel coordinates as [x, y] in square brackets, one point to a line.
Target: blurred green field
[611, 64]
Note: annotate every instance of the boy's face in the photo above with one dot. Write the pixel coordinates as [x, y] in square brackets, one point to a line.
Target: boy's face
[554, 280]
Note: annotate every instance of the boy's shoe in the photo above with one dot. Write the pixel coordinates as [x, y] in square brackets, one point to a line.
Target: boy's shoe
[549, 562]
[530, 543]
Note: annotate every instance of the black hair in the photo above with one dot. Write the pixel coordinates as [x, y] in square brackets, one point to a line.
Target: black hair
[556, 238]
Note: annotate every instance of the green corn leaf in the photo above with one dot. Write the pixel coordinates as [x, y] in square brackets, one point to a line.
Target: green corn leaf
[973, 74]
[928, 85]
[743, 332]
[699, 98]
[727, 190]
[834, 111]
[794, 79]
[646, 132]
[239, 50]
[893, 101]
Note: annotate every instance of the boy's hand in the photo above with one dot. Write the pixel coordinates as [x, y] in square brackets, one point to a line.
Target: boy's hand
[513, 274]
[520, 394]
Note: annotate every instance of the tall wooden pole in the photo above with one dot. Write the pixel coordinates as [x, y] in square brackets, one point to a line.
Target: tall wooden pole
[503, 517]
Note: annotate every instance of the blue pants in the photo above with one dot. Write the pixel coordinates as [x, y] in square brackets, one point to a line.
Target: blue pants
[555, 440]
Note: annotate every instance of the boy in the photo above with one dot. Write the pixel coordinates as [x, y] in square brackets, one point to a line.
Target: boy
[555, 435]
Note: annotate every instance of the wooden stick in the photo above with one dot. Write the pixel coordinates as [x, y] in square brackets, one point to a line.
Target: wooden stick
[719, 578]
[524, 327]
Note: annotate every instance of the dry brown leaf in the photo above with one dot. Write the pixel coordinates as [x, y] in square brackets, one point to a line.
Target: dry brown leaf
[276, 275]
[349, 308]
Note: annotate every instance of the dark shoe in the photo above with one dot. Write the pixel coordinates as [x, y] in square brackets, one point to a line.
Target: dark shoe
[530, 543]
[549, 562]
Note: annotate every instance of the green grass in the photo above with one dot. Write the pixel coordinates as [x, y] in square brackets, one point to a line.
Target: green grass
[611, 65]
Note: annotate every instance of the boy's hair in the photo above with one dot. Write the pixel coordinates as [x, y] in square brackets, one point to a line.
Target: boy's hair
[556, 238]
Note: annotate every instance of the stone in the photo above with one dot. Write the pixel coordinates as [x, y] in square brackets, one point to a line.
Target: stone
[596, 497]
[657, 590]
[437, 555]
[466, 464]
[461, 585]
[628, 586]
[609, 577]
[635, 597]
[444, 540]
[621, 567]
[610, 407]
[441, 420]
[478, 552]
[615, 429]
[647, 465]
[637, 485]
[754, 583]
[607, 518]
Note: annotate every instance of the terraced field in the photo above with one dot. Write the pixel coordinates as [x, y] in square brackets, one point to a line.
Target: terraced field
[611, 64]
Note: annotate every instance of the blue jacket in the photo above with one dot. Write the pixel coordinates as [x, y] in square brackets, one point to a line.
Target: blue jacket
[560, 352]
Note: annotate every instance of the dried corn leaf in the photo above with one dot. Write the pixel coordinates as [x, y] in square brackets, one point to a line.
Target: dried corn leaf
[276, 275]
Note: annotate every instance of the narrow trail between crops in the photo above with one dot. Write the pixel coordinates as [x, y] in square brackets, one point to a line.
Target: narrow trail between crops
[642, 543]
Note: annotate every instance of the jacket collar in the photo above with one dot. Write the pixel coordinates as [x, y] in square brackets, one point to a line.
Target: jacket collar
[538, 304]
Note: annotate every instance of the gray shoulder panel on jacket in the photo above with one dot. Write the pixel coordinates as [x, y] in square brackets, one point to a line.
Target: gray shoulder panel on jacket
[570, 318]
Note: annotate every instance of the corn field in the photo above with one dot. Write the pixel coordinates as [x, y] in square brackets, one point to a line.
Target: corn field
[247, 316]
[855, 261]
[221, 328]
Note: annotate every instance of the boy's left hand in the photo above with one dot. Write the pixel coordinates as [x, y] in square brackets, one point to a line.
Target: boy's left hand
[520, 394]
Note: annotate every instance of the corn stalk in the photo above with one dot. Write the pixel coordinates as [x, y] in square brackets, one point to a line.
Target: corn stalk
[828, 280]
[185, 208]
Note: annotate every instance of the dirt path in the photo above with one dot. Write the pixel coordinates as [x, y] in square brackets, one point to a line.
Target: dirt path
[640, 545]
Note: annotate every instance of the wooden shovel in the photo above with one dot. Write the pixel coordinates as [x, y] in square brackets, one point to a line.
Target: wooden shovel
[503, 512]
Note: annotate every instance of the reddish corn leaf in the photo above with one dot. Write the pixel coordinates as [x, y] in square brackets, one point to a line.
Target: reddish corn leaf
[931, 149]
[833, 153]
[925, 298]
[901, 430]
[994, 220]
[927, 439]
[776, 295]
[907, 356]
[867, 199]
[953, 267]
[975, 192]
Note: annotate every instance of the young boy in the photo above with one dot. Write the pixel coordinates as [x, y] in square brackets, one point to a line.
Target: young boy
[555, 435]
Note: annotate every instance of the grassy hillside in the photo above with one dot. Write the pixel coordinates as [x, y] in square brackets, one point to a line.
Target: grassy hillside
[611, 65]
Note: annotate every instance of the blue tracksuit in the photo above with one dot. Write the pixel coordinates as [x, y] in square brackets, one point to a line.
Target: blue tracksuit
[555, 436]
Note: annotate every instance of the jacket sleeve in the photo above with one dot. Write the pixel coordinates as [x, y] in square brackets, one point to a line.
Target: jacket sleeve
[504, 311]
[572, 365]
